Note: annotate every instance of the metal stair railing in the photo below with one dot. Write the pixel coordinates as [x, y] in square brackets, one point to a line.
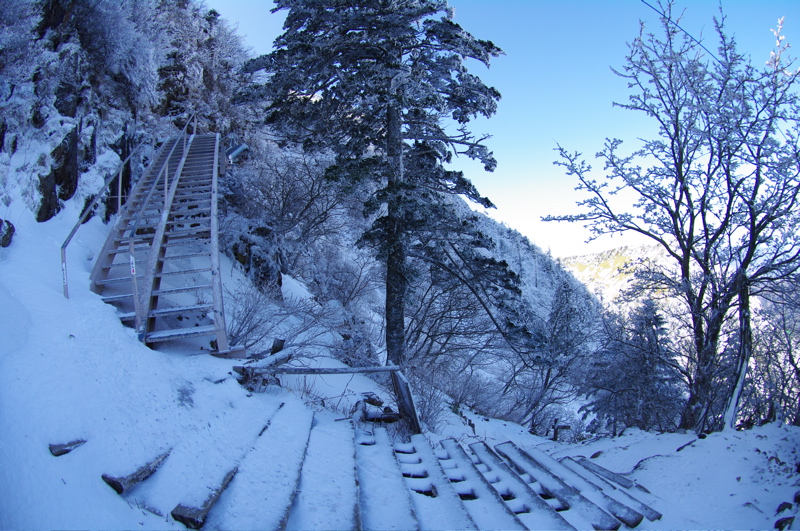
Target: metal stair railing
[141, 309]
[88, 210]
[216, 278]
[100, 195]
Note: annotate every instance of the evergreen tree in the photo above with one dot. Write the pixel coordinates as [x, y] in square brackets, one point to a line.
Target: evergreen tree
[633, 380]
[201, 69]
[362, 78]
[558, 343]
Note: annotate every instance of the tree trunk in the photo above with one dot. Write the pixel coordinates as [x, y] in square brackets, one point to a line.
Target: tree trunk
[396, 253]
[745, 350]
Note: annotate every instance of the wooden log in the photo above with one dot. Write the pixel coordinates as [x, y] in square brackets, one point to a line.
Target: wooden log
[195, 517]
[63, 449]
[277, 345]
[123, 483]
[405, 401]
[605, 473]
[492, 512]
[536, 512]
[615, 492]
[556, 487]
[312, 370]
[623, 512]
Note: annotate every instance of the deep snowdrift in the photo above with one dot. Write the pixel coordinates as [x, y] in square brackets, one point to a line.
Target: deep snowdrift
[69, 370]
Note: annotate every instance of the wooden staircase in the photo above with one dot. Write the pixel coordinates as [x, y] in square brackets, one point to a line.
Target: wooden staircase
[160, 263]
[299, 472]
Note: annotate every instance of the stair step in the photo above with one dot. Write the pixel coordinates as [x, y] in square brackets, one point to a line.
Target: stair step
[125, 249]
[185, 289]
[622, 512]
[117, 298]
[381, 484]
[555, 486]
[436, 503]
[618, 493]
[334, 506]
[179, 333]
[190, 211]
[529, 507]
[174, 234]
[481, 499]
[261, 496]
[200, 239]
[161, 312]
[116, 280]
[183, 256]
[184, 272]
[188, 478]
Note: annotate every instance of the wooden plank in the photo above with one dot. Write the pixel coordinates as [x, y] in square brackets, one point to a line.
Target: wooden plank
[487, 509]
[262, 494]
[194, 517]
[405, 401]
[610, 489]
[624, 513]
[327, 496]
[530, 508]
[123, 483]
[57, 450]
[313, 370]
[597, 517]
[384, 499]
[605, 473]
[436, 503]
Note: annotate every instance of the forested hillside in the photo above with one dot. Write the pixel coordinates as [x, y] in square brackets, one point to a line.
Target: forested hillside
[398, 269]
[491, 321]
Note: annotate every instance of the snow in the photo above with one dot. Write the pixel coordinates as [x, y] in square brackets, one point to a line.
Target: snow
[70, 370]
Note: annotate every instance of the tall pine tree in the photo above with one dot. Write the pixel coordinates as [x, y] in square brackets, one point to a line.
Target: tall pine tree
[365, 79]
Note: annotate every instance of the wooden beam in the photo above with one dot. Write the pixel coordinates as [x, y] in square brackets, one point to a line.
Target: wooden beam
[313, 370]
[62, 449]
[123, 483]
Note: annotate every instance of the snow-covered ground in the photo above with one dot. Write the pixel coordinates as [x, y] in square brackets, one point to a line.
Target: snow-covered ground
[69, 370]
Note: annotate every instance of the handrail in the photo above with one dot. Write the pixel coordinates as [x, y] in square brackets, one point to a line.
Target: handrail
[141, 312]
[88, 210]
[216, 280]
[117, 174]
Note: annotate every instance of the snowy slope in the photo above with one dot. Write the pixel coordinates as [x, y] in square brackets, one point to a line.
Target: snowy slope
[69, 370]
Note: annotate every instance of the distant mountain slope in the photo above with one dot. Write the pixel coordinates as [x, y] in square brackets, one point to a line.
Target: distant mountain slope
[603, 273]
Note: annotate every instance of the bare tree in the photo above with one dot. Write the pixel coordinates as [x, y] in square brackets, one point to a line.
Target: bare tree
[717, 189]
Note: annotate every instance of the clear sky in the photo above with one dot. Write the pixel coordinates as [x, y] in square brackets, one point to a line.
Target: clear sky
[558, 88]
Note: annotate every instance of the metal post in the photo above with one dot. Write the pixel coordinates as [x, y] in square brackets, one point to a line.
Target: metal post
[64, 271]
[119, 189]
[137, 304]
[166, 181]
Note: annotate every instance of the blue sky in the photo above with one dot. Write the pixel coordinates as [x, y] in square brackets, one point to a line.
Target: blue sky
[558, 88]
